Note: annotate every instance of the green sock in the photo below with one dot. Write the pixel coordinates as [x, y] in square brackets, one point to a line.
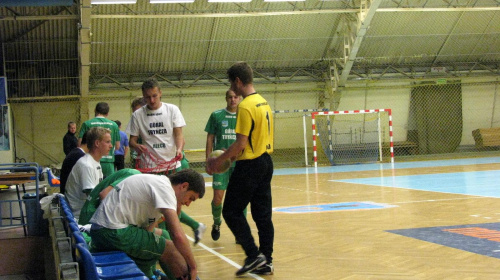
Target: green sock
[185, 219]
[217, 213]
[245, 211]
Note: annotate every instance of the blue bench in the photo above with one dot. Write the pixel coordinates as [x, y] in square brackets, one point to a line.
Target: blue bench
[93, 266]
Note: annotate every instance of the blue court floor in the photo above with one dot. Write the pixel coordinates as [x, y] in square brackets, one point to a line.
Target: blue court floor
[478, 183]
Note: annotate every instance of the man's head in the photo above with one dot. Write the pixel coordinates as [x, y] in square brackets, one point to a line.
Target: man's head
[240, 75]
[137, 103]
[99, 141]
[72, 127]
[152, 93]
[232, 101]
[118, 123]
[189, 185]
[102, 108]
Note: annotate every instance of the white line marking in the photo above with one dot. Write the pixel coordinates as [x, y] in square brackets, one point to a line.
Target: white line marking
[229, 261]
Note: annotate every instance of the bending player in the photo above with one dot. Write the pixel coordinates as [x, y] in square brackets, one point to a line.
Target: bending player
[125, 221]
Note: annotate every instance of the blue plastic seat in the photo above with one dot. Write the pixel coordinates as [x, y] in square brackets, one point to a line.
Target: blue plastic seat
[103, 258]
[91, 271]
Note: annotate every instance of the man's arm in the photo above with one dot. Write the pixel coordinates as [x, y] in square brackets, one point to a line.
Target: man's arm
[125, 151]
[105, 192]
[179, 239]
[117, 145]
[135, 145]
[209, 147]
[179, 140]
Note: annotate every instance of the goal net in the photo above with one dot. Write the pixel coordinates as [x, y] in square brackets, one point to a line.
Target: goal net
[348, 137]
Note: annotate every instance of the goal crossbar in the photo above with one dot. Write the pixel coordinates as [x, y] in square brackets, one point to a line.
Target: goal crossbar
[333, 113]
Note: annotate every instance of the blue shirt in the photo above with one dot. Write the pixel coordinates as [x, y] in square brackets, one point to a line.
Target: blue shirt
[123, 144]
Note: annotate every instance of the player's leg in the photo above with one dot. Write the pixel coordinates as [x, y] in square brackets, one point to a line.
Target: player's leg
[261, 206]
[219, 186]
[197, 227]
[164, 271]
[240, 190]
[144, 247]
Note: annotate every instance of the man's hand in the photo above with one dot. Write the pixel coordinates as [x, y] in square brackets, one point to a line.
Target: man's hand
[141, 149]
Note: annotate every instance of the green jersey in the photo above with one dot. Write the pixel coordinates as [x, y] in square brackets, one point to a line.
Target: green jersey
[93, 199]
[105, 123]
[222, 123]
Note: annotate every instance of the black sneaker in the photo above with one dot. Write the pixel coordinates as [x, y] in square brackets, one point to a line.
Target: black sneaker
[251, 264]
[215, 232]
[267, 269]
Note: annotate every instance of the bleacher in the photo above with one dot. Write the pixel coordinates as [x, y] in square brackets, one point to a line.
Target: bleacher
[487, 137]
[72, 257]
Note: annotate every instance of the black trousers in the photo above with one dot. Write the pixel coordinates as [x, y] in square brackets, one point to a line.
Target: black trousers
[250, 182]
[119, 162]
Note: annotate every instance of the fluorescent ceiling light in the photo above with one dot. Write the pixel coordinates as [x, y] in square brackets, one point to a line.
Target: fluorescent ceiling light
[229, 1]
[170, 1]
[99, 2]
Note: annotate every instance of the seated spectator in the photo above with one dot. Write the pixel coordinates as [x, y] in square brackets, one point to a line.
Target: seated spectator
[87, 172]
[70, 161]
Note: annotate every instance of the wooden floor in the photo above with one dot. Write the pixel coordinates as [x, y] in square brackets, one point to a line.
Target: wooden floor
[349, 238]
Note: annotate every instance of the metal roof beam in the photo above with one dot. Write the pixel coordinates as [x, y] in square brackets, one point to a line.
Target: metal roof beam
[365, 17]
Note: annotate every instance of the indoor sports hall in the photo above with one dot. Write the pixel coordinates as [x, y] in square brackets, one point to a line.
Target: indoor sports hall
[386, 125]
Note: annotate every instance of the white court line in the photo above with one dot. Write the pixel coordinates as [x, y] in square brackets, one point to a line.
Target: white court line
[229, 261]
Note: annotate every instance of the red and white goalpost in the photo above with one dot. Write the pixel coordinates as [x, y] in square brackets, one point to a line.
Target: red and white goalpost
[351, 133]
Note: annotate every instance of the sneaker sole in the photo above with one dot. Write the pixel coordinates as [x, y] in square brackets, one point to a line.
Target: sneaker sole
[250, 270]
[265, 273]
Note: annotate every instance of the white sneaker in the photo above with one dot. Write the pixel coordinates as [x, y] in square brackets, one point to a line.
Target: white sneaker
[198, 233]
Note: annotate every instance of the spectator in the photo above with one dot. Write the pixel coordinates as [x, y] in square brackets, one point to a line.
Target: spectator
[69, 140]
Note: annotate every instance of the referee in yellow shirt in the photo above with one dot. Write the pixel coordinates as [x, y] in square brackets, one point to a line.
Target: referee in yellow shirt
[251, 178]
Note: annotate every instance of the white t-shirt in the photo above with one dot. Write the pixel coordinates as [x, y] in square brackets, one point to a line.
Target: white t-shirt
[137, 203]
[85, 175]
[156, 129]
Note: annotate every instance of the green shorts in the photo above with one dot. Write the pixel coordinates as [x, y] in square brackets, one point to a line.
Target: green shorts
[220, 181]
[144, 247]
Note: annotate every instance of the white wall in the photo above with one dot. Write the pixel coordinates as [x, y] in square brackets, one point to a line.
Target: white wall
[396, 99]
[480, 109]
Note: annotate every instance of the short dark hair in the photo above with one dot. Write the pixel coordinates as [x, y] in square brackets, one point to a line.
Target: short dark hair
[138, 101]
[118, 123]
[102, 108]
[192, 177]
[70, 123]
[240, 70]
[84, 138]
[150, 83]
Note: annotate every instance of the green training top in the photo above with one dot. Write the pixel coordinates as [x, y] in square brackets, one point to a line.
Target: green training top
[222, 123]
[93, 200]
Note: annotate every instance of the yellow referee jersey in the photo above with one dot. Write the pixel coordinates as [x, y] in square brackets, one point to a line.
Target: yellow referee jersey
[255, 120]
